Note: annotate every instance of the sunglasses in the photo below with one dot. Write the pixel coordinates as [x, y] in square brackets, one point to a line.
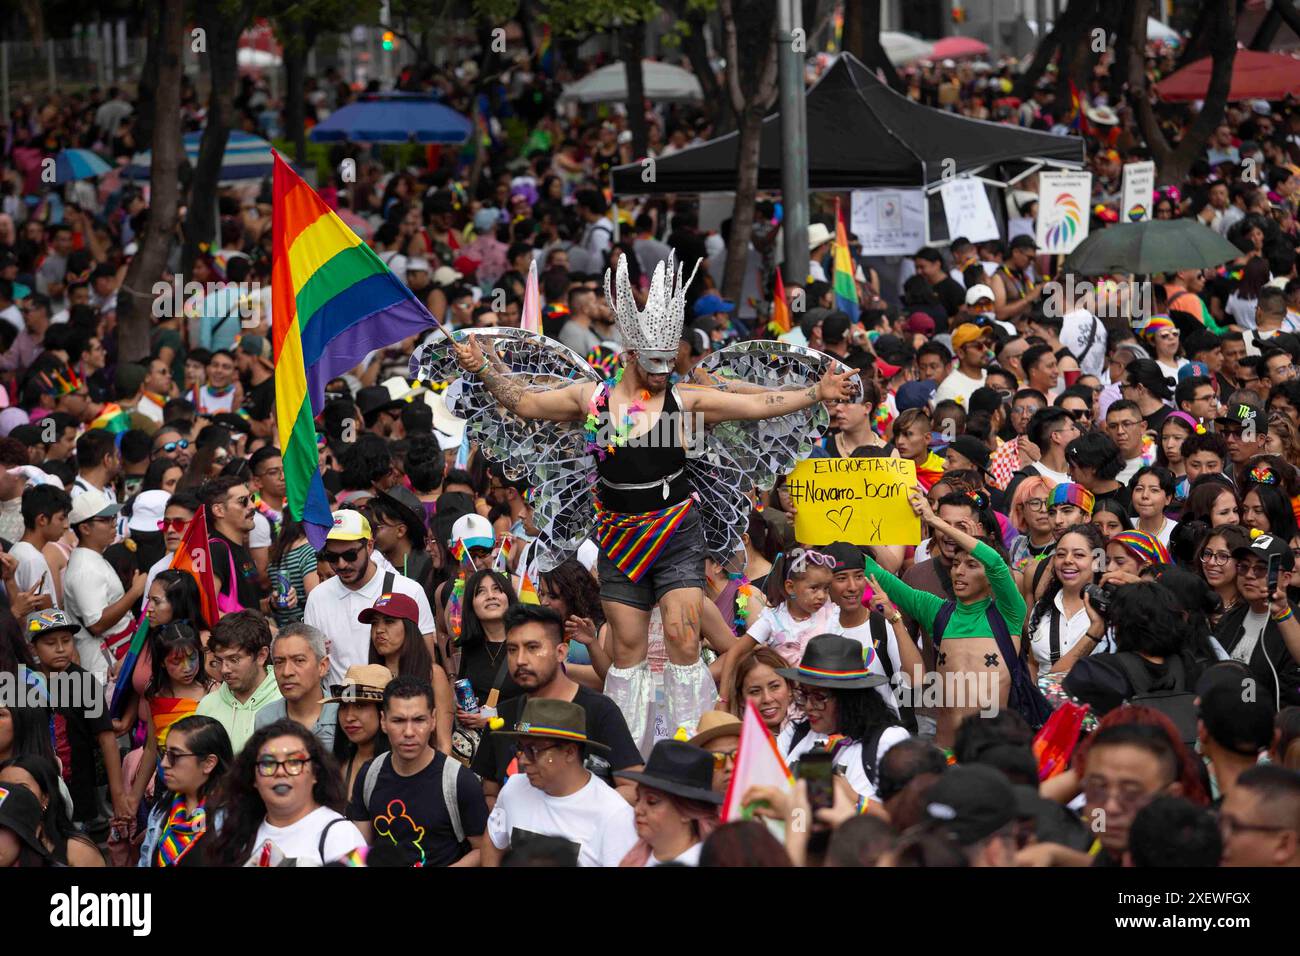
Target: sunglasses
[171, 446]
[334, 557]
[172, 524]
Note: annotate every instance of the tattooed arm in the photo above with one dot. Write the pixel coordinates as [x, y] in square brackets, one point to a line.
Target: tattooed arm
[718, 406]
[567, 404]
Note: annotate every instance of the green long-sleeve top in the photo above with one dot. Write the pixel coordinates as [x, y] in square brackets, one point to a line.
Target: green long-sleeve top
[968, 620]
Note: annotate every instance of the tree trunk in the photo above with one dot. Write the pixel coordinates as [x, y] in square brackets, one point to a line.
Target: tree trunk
[135, 298]
[1076, 55]
[1120, 15]
[696, 47]
[223, 71]
[295, 76]
[1067, 32]
[1197, 44]
[1267, 32]
[862, 39]
[148, 75]
[1173, 162]
[631, 47]
[752, 87]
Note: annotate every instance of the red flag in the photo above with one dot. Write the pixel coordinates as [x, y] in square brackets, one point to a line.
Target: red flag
[780, 323]
[758, 761]
[194, 557]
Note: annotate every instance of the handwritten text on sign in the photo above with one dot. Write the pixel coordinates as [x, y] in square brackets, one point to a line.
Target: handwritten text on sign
[859, 500]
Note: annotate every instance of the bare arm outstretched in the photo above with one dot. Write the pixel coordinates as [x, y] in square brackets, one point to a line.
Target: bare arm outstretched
[567, 404]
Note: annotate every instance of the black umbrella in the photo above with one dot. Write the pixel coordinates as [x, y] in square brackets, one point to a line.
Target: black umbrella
[1143, 248]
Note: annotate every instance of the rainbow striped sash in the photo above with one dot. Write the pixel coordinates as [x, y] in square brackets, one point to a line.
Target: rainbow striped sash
[634, 541]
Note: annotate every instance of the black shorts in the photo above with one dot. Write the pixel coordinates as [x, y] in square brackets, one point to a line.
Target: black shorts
[679, 565]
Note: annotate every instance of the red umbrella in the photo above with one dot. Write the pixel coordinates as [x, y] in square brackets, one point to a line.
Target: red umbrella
[954, 48]
[1255, 76]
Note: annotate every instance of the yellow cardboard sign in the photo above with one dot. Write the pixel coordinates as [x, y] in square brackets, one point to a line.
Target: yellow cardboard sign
[858, 500]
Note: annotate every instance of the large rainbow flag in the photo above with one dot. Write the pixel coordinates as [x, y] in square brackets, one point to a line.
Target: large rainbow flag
[332, 301]
[846, 290]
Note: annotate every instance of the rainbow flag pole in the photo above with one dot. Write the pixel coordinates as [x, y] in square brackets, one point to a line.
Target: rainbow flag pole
[333, 299]
[846, 290]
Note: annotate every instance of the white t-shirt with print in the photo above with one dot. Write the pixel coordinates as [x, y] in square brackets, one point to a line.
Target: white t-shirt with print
[788, 637]
[848, 756]
[301, 840]
[596, 818]
[260, 536]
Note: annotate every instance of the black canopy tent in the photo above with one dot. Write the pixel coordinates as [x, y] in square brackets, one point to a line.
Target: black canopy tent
[862, 134]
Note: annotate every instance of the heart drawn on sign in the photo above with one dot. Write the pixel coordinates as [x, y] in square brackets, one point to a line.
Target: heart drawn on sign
[840, 517]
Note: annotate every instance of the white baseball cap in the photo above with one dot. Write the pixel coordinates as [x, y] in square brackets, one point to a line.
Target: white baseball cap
[417, 265]
[475, 530]
[444, 275]
[977, 292]
[92, 504]
[147, 510]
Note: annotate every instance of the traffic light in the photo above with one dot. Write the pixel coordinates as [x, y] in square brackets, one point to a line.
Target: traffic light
[390, 40]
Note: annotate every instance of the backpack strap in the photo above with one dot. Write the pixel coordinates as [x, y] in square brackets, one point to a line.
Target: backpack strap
[1006, 646]
[320, 850]
[372, 778]
[1139, 680]
[389, 578]
[870, 747]
[450, 771]
[1054, 635]
[1039, 571]
[801, 730]
[946, 611]
[880, 638]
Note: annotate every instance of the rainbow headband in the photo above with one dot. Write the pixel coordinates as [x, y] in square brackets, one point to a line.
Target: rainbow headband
[1145, 548]
[1070, 493]
[832, 675]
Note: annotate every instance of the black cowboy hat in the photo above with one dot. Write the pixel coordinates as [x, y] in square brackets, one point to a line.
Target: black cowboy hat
[412, 508]
[830, 660]
[681, 769]
[20, 812]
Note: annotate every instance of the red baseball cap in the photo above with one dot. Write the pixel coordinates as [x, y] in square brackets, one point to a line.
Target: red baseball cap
[392, 604]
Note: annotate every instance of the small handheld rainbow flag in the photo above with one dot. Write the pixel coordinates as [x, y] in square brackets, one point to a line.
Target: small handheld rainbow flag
[112, 419]
[502, 560]
[846, 290]
[528, 593]
[123, 684]
[781, 322]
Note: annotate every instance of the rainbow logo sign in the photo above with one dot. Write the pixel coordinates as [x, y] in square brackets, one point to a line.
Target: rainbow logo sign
[1068, 218]
[1137, 213]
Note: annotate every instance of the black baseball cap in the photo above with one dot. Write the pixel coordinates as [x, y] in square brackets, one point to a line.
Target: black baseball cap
[847, 556]
[1236, 720]
[971, 447]
[1242, 415]
[1267, 546]
[971, 802]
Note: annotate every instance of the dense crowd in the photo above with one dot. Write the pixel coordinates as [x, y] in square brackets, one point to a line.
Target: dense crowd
[1103, 598]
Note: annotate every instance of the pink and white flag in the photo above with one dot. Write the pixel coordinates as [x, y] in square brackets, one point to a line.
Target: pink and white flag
[758, 763]
[530, 319]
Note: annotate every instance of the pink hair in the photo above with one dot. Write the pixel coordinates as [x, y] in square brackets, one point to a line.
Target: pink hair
[703, 815]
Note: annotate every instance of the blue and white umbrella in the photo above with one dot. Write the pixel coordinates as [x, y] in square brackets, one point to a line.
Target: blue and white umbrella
[247, 157]
[394, 118]
[73, 164]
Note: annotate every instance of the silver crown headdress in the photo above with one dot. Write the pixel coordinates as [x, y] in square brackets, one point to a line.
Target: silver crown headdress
[658, 327]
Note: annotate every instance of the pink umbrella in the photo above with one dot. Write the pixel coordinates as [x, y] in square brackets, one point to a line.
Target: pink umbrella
[954, 48]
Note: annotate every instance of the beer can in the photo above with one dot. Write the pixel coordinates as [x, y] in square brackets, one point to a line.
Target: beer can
[466, 699]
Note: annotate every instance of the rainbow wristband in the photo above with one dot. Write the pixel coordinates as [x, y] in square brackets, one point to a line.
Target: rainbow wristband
[1281, 618]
